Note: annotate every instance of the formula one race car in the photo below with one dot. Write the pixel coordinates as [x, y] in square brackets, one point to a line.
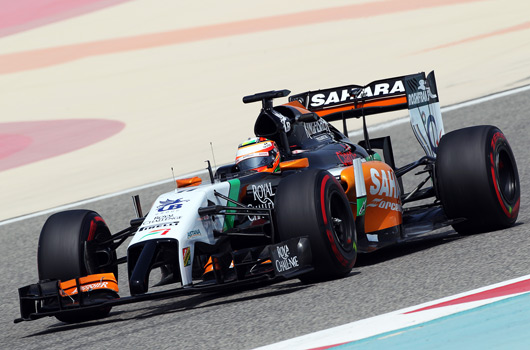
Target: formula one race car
[326, 201]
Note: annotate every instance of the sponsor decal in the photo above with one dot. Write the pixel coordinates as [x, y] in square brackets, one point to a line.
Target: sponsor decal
[262, 195]
[419, 92]
[506, 208]
[317, 127]
[285, 261]
[384, 183]
[89, 287]
[343, 95]
[424, 110]
[186, 254]
[162, 218]
[161, 232]
[418, 97]
[194, 234]
[384, 89]
[171, 204]
[332, 97]
[380, 203]
[361, 206]
[346, 158]
[150, 227]
[495, 138]
[322, 137]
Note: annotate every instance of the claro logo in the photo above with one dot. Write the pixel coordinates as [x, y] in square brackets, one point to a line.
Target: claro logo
[384, 183]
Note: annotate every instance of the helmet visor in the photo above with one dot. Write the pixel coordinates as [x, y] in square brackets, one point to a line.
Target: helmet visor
[255, 162]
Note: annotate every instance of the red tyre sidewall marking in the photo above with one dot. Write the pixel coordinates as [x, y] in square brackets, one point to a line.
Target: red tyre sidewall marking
[329, 234]
[93, 226]
[515, 209]
[322, 201]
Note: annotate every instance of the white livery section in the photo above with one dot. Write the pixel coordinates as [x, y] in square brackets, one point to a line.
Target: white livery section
[174, 216]
[424, 109]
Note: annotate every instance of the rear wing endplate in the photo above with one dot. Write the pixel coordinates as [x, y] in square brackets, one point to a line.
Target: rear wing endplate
[415, 92]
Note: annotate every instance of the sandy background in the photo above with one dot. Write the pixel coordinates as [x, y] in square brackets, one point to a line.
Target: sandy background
[173, 75]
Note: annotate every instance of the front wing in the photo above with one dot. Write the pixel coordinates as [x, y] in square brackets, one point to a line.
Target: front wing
[289, 259]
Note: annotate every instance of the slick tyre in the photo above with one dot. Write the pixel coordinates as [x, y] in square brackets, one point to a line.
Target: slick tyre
[312, 203]
[477, 179]
[68, 248]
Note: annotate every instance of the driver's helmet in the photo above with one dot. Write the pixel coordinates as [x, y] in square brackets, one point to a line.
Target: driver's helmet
[258, 154]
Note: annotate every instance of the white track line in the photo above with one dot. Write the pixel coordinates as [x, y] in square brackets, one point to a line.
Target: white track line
[354, 133]
[392, 321]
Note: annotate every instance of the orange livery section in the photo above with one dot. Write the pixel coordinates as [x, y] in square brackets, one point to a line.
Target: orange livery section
[383, 203]
[89, 283]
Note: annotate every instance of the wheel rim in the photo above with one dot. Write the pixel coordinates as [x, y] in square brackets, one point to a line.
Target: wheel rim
[340, 222]
[506, 175]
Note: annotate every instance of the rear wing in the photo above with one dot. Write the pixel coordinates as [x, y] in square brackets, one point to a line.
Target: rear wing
[415, 92]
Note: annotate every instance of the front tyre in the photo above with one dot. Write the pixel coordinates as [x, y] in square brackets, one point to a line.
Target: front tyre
[312, 203]
[70, 247]
[477, 179]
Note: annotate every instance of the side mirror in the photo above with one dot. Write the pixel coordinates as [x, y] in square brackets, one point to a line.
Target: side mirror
[294, 164]
[189, 182]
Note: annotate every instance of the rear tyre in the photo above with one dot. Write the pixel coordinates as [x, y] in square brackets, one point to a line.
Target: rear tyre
[477, 179]
[312, 203]
[68, 248]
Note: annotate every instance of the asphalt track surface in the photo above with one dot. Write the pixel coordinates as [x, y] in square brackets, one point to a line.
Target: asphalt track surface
[384, 281]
